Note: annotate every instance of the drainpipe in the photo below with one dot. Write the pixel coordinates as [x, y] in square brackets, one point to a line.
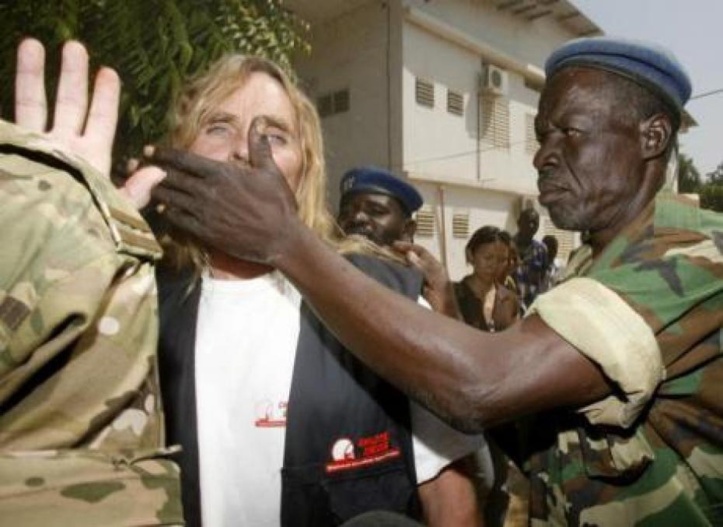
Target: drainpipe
[389, 83]
[478, 134]
[443, 226]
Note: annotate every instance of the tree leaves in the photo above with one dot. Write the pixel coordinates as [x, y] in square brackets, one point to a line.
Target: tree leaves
[153, 44]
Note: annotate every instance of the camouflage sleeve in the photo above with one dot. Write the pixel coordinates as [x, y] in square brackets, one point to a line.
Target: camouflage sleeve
[645, 303]
[609, 332]
[81, 426]
[661, 279]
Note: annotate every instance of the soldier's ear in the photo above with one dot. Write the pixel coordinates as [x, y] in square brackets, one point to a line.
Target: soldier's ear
[656, 132]
[410, 228]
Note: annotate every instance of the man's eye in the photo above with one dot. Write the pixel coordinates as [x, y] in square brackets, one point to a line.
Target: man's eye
[377, 211]
[571, 132]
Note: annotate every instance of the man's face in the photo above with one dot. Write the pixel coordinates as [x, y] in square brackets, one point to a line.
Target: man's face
[379, 217]
[589, 159]
[528, 223]
[224, 134]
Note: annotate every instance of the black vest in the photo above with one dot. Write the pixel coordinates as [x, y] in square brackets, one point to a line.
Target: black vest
[348, 446]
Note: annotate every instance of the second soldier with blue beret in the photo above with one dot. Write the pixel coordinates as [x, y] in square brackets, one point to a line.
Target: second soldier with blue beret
[378, 205]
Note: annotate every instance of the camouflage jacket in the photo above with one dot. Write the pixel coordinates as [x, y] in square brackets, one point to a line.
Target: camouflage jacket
[81, 428]
[648, 310]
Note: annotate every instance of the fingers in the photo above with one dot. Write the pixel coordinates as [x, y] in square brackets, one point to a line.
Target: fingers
[132, 165]
[182, 214]
[412, 250]
[259, 148]
[402, 246]
[406, 251]
[138, 187]
[31, 105]
[85, 132]
[103, 114]
[421, 251]
[182, 211]
[415, 260]
[184, 161]
[71, 102]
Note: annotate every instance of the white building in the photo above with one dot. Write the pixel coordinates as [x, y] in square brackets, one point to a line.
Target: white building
[442, 92]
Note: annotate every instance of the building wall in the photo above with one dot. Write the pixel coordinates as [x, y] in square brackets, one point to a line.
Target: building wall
[530, 42]
[438, 144]
[377, 49]
[445, 202]
[460, 172]
[357, 51]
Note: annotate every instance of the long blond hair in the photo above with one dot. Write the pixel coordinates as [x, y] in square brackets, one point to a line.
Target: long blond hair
[206, 92]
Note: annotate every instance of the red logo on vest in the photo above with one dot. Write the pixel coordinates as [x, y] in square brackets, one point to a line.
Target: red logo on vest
[270, 415]
[371, 450]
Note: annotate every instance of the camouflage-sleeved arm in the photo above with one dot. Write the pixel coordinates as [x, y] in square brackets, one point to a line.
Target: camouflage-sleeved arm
[78, 326]
[664, 272]
[648, 310]
[81, 426]
[609, 332]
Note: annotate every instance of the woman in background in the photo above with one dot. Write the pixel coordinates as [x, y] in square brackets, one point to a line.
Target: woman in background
[484, 302]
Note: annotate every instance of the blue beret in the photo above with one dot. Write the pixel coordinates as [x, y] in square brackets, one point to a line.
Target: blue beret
[647, 64]
[379, 181]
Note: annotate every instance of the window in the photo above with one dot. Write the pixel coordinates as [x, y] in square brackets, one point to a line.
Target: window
[460, 224]
[495, 121]
[425, 222]
[455, 103]
[325, 105]
[341, 101]
[424, 93]
[333, 103]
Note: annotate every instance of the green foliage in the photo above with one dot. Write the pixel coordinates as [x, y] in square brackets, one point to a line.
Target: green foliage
[153, 44]
[688, 175]
[711, 192]
[716, 177]
[711, 197]
[708, 188]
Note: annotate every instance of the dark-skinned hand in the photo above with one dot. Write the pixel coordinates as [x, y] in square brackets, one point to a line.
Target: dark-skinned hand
[244, 210]
[438, 289]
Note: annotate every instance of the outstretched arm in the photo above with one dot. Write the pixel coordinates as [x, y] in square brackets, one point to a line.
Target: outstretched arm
[471, 378]
[468, 377]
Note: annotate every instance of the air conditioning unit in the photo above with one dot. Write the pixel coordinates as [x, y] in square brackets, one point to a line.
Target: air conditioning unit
[494, 80]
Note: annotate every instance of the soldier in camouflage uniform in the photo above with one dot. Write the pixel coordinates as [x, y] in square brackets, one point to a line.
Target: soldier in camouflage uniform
[81, 427]
[620, 365]
[637, 458]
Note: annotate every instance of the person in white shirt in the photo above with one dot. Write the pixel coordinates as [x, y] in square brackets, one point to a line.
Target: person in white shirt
[279, 424]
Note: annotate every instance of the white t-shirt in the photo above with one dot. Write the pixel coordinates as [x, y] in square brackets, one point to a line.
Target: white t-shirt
[246, 341]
